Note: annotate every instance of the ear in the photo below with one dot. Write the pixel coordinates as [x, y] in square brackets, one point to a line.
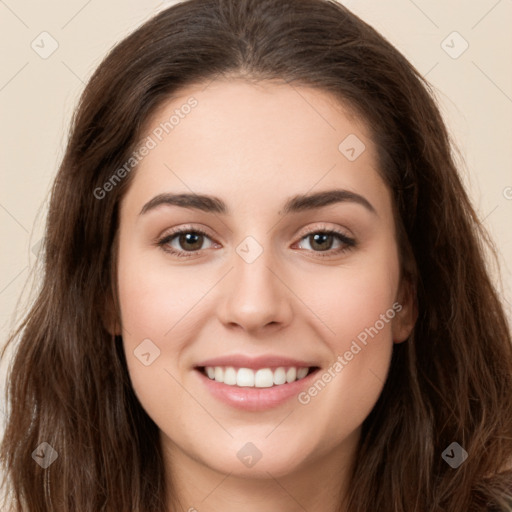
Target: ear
[407, 312]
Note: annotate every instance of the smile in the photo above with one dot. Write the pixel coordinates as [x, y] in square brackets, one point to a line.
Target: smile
[257, 378]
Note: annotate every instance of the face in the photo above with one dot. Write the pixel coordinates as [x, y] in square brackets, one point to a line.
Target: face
[284, 281]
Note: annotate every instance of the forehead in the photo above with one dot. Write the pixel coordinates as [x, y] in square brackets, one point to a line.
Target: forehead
[244, 140]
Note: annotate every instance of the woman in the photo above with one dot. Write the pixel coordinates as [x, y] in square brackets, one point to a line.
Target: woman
[260, 365]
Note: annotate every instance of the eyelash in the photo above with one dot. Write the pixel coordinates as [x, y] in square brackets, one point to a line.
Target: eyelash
[349, 243]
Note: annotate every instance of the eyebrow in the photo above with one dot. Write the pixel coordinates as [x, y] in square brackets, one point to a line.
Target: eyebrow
[295, 204]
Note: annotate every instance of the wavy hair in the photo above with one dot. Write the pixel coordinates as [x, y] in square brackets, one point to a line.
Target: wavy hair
[451, 381]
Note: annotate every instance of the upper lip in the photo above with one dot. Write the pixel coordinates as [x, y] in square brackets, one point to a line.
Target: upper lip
[242, 361]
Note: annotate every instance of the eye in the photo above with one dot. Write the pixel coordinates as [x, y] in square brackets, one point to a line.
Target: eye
[189, 239]
[190, 242]
[321, 240]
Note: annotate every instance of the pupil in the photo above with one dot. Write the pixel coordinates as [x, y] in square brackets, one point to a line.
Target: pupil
[322, 237]
[188, 238]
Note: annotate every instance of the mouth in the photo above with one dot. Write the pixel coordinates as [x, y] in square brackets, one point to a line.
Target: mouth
[267, 377]
[256, 389]
[255, 383]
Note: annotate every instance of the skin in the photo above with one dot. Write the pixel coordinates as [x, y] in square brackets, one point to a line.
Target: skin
[254, 146]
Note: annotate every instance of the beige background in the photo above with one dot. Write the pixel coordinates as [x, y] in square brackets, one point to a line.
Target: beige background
[37, 97]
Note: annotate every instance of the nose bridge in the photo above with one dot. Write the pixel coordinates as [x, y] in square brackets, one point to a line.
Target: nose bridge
[252, 263]
[255, 296]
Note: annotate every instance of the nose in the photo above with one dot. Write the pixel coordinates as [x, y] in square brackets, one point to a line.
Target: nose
[254, 295]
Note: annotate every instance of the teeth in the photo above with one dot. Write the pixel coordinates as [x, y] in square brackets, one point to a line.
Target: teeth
[302, 372]
[262, 378]
[291, 374]
[244, 377]
[219, 374]
[230, 376]
[279, 376]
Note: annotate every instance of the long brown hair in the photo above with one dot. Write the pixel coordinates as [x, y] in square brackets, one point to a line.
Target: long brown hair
[450, 382]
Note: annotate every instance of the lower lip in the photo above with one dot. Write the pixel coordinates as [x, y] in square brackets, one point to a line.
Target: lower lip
[255, 399]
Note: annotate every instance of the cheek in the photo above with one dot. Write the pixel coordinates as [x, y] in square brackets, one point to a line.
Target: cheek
[357, 307]
[354, 300]
[360, 308]
[155, 301]
[153, 308]
[155, 320]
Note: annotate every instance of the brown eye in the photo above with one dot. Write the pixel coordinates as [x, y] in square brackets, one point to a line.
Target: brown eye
[191, 240]
[321, 241]
[184, 243]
